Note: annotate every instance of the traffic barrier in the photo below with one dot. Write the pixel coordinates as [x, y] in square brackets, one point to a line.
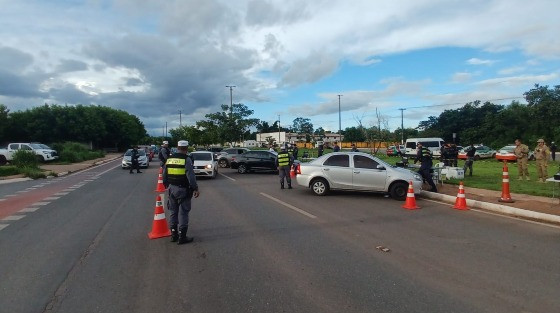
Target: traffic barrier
[410, 203]
[160, 187]
[159, 226]
[506, 197]
[461, 201]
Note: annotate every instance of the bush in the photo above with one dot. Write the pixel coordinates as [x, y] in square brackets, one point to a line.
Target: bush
[8, 170]
[25, 158]
[75, 152]
[32, 172]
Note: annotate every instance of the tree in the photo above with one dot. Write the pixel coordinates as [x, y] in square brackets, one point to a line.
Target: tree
[231, 123]
[354, 134]
[3, 122]
[303, 126]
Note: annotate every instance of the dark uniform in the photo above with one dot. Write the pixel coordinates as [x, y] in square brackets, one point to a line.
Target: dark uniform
[295, 152]
[320, 151]
[453, 155]
[134, 155]
[424, 155]
[163, 155]
[284, 163]
[178, 176]
[470, 159]
[553, 148]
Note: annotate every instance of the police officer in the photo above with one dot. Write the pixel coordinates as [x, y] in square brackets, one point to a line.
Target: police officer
[553, 150]
[541, 155]
[164, 153]
[134, 155]
[320, 150]
[295, 151]
[424, 155]
[284, 162]
[470, 159]
[179, 178]
[521, 152]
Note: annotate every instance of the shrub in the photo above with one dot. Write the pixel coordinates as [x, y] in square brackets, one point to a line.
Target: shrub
[32, 172]
[8, 170]
[25, 158]
[75, 152]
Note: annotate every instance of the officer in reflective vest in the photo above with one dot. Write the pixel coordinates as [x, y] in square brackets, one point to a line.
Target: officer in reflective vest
[424, 155]
[284, 163]
[179, 178]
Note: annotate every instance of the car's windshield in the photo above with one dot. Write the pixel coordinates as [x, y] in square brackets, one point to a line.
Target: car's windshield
[44, 146]
[36, 146]
[140, 152]
[201, 156]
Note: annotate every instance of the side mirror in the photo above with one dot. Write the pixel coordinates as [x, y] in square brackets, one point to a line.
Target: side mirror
[380, 167]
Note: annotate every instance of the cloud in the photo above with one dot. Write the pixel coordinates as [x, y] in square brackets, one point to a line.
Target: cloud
[66, 66]
[310, 69]
[14, 60]
[462, 77]
[476, 61]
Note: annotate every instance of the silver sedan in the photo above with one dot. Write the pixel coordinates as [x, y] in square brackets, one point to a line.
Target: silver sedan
[356, 171]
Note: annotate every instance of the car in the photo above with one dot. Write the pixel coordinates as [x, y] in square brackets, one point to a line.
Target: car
[43, 154]
[224, 157]
[356, 171]
[506, 154]
[204, 163]
[142, 159]
[482, 152]
[254, 160]
[394, 150]
[434, 144]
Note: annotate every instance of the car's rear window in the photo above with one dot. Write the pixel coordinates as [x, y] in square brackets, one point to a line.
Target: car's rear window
[140, 152]
[338, 160]
[361, 161]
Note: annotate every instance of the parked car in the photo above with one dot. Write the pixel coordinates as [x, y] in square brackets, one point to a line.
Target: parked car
[142, 159]
[434, 144]
[506, 154]
[254, 160]
[43, 154]
[224, 157]
[482, 152]
[204, 163]
[356, 171]
[394, 150]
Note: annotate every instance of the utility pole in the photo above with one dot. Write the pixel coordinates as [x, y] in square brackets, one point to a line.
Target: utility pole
[402, 126]
[339, 120]
[180, 119]
[230, 99]
[165, 130]
[279, 130]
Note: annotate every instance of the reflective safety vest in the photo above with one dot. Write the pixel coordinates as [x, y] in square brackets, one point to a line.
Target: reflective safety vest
[426, 154]
[283, 159]
[176, 170]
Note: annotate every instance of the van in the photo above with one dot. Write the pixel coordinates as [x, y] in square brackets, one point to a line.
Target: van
[434, 144]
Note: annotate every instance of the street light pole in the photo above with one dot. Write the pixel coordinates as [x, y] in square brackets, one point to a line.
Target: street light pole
[180, 119]
[230, 99]
[339, 120]
[402, 126]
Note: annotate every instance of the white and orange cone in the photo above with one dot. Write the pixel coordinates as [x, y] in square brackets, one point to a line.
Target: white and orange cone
[461, 201]
[410, 203]
[159, 226]
[160, 187]
[506, 197]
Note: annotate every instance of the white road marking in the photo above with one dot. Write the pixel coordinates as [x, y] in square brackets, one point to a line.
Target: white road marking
[27, 210]
[9, 195]
[289, 205]
[51, 198]
[30, 188]
[61, 193]
[67, 190]
[2, 199]
[2, 226]
[40, 203]
[13, 217]
[22, 191]
[233, 179]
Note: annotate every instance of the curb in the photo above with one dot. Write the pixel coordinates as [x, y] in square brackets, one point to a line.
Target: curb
[497, 208]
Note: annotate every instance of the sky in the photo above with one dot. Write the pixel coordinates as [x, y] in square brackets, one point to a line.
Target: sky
[169, 61]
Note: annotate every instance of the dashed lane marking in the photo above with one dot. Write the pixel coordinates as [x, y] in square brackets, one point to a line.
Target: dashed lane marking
[9, 195]
[2, 226]
[40, 203]
[232, 179]
[61, 193]
[2, 199]
[28, 210]
[289, 206]
[51, 198]
[13, 217]
[22, 191]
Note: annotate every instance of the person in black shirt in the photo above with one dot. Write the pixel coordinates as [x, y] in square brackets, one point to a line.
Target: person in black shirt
[470, 159]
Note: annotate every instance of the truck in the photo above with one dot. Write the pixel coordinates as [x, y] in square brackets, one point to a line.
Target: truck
[43, 152]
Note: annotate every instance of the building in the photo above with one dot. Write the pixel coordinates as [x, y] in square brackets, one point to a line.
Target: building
[283, 137]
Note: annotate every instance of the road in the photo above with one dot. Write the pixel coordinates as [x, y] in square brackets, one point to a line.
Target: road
[79, 244]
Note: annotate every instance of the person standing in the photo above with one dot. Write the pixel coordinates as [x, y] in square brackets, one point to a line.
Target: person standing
[284, 163]
[424, 155]
[521, 152]
[541, 155]
[320, 150]
[553, 150]
[271, 148]
[354, 149]
[453, 154]
[336, 147]
[179, 178]
[164, 153]
[295, 151]
[471, 150]
[134, 155]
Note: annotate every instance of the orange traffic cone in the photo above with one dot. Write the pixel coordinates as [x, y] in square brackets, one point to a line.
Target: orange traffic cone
[298, 171]
[160, 187]
[410, 203]
[506, 197]
[461, 201]
[159, 226]
[292, 172]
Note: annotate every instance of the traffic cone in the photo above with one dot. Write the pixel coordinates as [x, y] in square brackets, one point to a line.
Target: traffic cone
[410, 203]
[298, 171]
[292, 172]
[506, 197]
[160, 187]
[461, 201]
[159, 226]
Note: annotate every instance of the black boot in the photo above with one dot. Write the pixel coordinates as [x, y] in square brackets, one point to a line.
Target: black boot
[183, 237]
[138, 172]
[289, 186]
[130, 171]
[281, 185]
[174, 235]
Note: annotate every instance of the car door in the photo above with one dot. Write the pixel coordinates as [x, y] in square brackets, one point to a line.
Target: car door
[252, 159]
[366, 175]
[337, 170]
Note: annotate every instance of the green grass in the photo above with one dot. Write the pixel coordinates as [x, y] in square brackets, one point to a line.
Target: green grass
[31, 172]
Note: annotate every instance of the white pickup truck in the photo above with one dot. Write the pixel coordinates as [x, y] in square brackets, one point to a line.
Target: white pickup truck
[44, 153]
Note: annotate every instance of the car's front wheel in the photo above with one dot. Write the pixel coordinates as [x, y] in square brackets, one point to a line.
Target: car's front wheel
[320, 186]
[399, 190]
[223, 163]
[242, 169]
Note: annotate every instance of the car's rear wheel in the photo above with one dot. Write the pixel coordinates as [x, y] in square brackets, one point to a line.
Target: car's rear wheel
[3, 160]
[399, 190]
[242, 169]
[320, 186]
[40, 159]
[223, 163]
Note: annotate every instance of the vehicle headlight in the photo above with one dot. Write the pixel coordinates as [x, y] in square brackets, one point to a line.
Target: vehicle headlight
[417, 177]
[209, 166]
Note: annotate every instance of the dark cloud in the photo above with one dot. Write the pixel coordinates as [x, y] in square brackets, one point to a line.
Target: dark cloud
[19, 85]
[14, 60]
[66, 66]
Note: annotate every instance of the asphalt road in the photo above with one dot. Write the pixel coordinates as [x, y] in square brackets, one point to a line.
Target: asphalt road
[79, 244]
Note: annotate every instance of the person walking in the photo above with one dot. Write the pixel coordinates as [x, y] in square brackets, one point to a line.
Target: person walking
[134, 155]
[164, 153]
[179, 179]
[336, 147]
[424, 155]
[471, 150]
[541, 155]
[521, 152]
[553, 151]
[284, 163]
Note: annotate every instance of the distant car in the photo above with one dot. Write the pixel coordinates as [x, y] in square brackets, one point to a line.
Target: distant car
[224, 157]
[394, 150]
[506, 154]
[255, 160]
[356, 171]
[142, 159]
[205, 164]
[482, 152]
